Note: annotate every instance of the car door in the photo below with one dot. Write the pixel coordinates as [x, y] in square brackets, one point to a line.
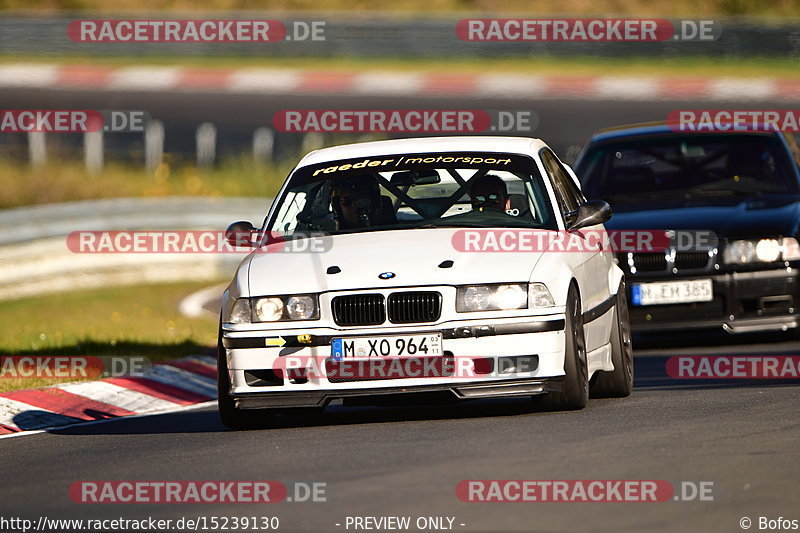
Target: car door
[595, 262]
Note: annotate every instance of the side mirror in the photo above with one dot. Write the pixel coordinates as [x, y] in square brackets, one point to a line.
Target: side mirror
[240, 234]
[591, 213]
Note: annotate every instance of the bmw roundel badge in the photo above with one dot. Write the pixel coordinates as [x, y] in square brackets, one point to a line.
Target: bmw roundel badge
[386, 275]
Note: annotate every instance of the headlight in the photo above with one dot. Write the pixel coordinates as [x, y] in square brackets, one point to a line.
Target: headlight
[740, 252]
[539, 296]
[241, 312]
[268, 309]
[791, 249]
[511, 297]
[301, 307]
[762, 251]
[275, 309]
[474, 298]
[502, 297]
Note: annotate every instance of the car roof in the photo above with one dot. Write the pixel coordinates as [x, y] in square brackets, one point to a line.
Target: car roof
[658, 128]
[509, 145]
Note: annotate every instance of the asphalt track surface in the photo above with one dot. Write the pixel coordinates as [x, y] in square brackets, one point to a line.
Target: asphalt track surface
[406, 461]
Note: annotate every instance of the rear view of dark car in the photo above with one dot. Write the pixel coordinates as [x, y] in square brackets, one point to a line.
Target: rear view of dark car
[742, 186]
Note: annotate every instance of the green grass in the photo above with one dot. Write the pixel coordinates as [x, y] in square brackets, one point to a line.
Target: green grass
[126, 321]
[785, 67]
[64, 181]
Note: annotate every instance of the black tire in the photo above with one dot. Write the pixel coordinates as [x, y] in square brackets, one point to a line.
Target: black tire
[229, 414]
[619, 382]
[575, 387]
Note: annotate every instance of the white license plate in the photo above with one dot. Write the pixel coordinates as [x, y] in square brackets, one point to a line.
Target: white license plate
[672, 292]
[428, 345]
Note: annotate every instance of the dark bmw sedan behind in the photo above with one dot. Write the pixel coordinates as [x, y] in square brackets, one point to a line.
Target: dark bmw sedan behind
[743, 186]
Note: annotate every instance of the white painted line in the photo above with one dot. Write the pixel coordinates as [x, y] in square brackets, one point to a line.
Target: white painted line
[741, 89]
[111, 394]
[28, 75]
[183, 379]
[626, 88]
[387, 83]
[105, 420]
[145, 78]
[193, 305]
[270, 81]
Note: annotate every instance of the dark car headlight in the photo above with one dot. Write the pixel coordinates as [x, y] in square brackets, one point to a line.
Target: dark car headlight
[761, 251]
[275, 308]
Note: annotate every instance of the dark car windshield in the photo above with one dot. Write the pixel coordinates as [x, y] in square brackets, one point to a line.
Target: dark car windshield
[413, 191]
[688, 166]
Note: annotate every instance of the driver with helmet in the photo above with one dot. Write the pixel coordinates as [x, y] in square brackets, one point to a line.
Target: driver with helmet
[357, 203]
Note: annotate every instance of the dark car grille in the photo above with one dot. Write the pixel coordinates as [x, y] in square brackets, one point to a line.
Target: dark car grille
[403, 307]
[687, 260]
[657, 261]
[410, 307]
[650, 262]
[359, 310]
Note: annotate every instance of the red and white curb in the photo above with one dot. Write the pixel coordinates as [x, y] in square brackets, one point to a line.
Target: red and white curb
[391, 83]
[162, 387]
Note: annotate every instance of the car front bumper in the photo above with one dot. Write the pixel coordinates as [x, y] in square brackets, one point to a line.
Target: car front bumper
[743, 302]
[462, 391]
[504, 357]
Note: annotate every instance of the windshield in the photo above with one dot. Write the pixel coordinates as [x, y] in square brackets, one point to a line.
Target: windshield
[686, 166]
[388, 192]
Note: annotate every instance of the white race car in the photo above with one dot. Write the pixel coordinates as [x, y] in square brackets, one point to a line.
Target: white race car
[433, 265]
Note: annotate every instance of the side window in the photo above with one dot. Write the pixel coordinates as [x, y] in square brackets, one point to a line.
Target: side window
[572, 189]
[569, 197]
[286, 221]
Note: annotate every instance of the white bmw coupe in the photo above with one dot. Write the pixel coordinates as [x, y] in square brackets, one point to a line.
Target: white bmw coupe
[456, 266]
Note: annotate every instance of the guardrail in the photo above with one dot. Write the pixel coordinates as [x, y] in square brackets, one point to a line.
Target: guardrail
[35, 258]
[381, 36]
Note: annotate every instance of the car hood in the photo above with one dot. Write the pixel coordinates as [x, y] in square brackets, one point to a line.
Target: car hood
[729, 218]
[413, 256]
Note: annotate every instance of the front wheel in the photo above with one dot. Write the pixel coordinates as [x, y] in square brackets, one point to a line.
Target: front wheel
[231, 416]
[619, 382]
[575, 389]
